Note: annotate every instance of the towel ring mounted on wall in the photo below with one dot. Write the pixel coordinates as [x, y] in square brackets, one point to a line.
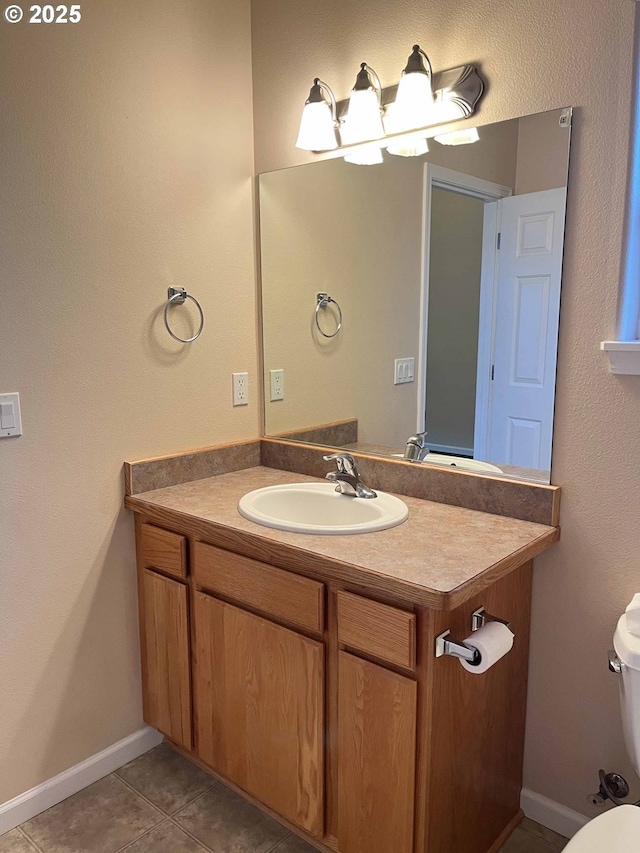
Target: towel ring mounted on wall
[322, 301]
[178, 296]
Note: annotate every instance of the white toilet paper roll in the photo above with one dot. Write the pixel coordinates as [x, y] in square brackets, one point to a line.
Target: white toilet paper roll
[493, 641]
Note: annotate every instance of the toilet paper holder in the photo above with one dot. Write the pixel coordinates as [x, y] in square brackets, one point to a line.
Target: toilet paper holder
[468, 652]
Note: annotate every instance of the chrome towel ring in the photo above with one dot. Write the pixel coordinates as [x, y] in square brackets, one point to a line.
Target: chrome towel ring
[178, 296]
[322, 301]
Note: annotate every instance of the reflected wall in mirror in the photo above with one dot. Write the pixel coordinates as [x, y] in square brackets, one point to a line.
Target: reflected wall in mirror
[449, 262]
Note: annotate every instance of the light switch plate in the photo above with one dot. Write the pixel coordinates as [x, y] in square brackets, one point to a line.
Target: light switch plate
[10, 418]
[403, 370]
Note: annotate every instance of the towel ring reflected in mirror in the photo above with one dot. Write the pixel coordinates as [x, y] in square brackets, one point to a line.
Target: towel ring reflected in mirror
[178, 296]
[322, 301]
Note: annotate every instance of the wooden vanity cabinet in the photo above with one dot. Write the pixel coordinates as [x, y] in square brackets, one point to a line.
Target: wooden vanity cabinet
[260, 709]
[324, 701]
[260, 684]
[165, 649]
[376, 757]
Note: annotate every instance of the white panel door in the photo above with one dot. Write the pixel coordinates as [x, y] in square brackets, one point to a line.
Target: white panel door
[527, 302]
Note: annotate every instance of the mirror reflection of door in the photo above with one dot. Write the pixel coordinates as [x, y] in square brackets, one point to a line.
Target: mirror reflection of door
[526, 301]
[492, 282]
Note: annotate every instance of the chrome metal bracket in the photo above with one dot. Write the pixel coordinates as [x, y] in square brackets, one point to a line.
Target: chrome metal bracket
[459, 650]
[177, 295]
[480, 617]
[615, 664]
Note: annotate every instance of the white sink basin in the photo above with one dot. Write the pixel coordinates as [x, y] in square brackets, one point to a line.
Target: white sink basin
[457, 462]
[318, 508]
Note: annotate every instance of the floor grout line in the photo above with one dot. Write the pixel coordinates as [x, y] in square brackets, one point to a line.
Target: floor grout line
[156, 808]
[30, 840]
[139, 837]
[205, 847]
[195, 799]
[159, 808]
[274, 849]
[189, 834]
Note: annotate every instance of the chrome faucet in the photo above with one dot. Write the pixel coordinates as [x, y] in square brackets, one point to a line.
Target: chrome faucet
[416, 449]
[346, 478]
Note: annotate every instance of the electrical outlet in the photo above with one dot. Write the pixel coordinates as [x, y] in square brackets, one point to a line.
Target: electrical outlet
[240, 389]
[276, 382]
[403, 370]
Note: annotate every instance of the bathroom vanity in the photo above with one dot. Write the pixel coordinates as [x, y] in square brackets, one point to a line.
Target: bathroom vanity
[301, 669]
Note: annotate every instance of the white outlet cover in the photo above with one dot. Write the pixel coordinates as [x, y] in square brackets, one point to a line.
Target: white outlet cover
[240, 389]
[276, 385]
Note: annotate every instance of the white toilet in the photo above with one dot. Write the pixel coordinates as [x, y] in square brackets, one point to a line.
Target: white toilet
[618, 830]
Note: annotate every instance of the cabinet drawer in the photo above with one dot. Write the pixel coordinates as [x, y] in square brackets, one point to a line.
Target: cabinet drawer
[163, 550]
[272, 591]
[376, 629]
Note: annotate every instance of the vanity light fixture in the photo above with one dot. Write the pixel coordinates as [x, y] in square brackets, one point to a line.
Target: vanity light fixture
[459, 137]
[419, 101]
[319, 122]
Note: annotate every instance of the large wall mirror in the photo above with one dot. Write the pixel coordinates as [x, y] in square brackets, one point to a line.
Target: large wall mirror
[441, 276]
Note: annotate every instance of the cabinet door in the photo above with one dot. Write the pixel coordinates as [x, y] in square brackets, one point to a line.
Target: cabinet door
[260, 709]
[376, 758]
[166, 676]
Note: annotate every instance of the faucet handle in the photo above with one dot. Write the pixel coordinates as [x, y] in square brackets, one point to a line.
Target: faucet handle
[345, 462]
[419, 438]
[416, 448]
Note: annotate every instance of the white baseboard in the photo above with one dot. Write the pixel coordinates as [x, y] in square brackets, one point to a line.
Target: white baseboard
[53, 791]
[551, 814]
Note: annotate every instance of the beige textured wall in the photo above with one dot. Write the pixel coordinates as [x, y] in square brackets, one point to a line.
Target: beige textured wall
[536, 56]
[126, 166]
[542, 153]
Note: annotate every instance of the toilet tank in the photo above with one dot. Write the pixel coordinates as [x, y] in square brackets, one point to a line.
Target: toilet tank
[627, 646]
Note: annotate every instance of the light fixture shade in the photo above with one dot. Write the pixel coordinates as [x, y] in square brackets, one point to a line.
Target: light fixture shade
[363, 121]
[318, 123]
[414, 101]
[413, 106]
[369, 156]
[459, 137]
[317, 129]
[412, 147]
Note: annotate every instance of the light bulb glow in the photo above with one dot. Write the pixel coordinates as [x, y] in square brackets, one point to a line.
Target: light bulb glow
[370, 155]
[413, 106]
[317, 129]
[459, 137]
[408, 147]
[363, 121]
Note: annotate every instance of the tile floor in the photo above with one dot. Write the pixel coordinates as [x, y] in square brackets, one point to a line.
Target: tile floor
[162, 803]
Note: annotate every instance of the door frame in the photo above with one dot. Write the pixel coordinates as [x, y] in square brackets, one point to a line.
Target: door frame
[487, 191]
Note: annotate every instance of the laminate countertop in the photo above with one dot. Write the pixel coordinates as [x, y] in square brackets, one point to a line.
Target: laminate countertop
[439, 557]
